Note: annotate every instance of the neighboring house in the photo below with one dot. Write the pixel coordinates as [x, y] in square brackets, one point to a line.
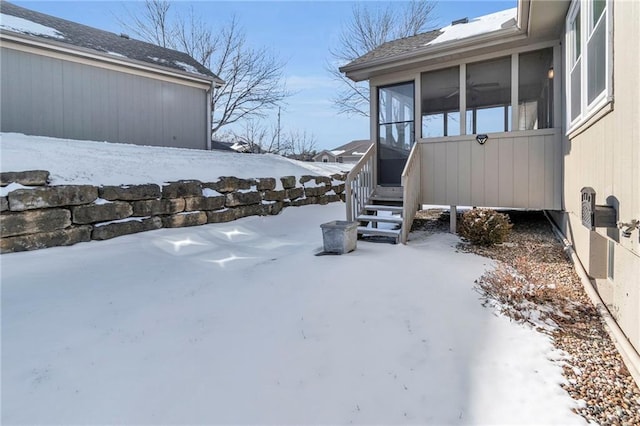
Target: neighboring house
[301, 157]
[325, 156]
[518, 109]
[246, 148]
[221, 146]
[68, 80]
[348, 153]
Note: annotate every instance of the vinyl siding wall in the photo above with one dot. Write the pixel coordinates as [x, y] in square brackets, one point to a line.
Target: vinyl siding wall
[606, 156]
[53, 97]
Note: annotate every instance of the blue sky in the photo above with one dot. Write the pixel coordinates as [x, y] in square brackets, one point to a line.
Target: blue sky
[300, 32]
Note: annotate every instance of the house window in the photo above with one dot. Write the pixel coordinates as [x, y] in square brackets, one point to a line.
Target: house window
[575, 63]
[489, 96]
[596, 50]
[535, 90]
[440, 100]
[588, 32]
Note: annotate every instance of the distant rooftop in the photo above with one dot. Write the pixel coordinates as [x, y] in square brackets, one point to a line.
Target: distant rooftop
[28, 22]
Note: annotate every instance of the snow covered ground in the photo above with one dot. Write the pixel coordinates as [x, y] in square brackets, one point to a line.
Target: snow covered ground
[103, 163]
[241, 323]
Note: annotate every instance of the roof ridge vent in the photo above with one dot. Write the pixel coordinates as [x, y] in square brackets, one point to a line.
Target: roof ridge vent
[123, 35]
[460, 21]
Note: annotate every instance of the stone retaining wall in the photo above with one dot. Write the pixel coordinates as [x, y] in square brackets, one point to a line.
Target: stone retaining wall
[41, 215]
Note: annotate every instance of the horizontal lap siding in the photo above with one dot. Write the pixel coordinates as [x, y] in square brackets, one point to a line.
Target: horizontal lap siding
[52, 97]
[606, 157]
[518, 171]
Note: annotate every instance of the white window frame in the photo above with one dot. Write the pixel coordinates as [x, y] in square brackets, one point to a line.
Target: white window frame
[587, 109]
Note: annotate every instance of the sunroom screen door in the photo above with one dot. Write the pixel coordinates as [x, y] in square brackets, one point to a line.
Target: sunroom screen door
[395, 131]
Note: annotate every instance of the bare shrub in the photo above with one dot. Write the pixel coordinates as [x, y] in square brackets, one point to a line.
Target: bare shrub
[484, 227]
[518, 293]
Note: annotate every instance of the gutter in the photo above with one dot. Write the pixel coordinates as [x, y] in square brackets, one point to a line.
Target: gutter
[81, 52]
[629, 355]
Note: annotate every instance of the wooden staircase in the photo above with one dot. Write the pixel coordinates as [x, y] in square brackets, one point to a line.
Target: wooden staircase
[383, 211]
[381, 217]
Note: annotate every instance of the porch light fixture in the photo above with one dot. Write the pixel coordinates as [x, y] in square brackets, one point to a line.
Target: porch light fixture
[550, 73]
[481, 139]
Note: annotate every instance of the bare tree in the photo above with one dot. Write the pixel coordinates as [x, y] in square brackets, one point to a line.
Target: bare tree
[260, 138]
[300, 144]
[152, 24]
[254, 80]
[370, 27]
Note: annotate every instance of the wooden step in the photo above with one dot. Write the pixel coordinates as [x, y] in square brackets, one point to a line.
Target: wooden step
[375, 218]
[394, 233]
[381, 207]
[375, 198]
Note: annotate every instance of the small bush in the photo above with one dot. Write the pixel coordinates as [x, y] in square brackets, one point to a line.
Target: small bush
[484, 227]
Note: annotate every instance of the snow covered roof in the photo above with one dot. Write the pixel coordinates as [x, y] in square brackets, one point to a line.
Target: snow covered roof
[27, 22]
[353, 148]
[221, 146]
[482, 25]
[422, 43]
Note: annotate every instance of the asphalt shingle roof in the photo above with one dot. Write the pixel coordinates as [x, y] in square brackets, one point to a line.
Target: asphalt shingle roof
[106, 42]
[397, 47]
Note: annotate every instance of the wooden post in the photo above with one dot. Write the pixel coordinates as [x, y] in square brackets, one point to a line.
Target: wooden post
[452, 219]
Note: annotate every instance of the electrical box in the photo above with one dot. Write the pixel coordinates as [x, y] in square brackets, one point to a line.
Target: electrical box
[594, 216]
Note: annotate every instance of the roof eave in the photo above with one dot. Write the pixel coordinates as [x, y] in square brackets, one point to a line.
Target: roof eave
[360, 72]
[105, 57]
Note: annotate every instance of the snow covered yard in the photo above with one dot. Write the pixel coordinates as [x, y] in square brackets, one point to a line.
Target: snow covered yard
[241, 323]
[102, 163]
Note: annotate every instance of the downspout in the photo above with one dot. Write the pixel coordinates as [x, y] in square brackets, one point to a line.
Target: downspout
[208, 134]
[522, 15]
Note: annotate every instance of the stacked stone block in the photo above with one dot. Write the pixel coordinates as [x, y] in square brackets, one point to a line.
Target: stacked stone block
[40, 215]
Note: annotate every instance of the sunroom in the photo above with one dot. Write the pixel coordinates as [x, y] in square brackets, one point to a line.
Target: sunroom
[469, 115]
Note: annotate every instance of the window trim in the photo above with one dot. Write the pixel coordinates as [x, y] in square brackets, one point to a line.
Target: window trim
[587, 109]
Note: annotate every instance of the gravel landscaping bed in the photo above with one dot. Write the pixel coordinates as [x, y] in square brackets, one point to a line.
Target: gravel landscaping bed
[596, 375]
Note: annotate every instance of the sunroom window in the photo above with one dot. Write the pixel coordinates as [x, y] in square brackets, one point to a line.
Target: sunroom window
[504, 94]
[535, 90]
[440, 103]
[488, 86]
